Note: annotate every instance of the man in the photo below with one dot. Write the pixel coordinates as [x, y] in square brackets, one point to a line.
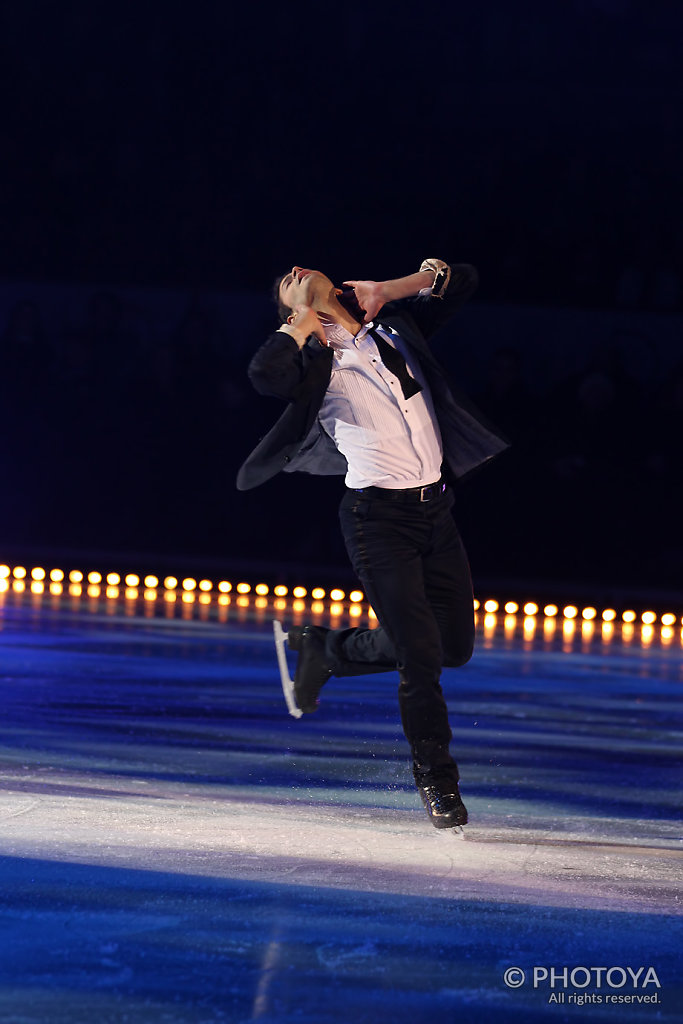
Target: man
[367, 399]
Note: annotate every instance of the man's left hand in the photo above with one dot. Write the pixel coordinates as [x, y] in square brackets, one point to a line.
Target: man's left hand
[370, 295]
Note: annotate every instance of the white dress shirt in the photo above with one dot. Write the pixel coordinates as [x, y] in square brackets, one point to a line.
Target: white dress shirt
[388, 440]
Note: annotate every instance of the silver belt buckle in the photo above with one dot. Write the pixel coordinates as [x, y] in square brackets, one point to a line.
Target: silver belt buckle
[427, 487]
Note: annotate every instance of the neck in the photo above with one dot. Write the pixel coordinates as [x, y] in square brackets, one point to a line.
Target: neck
[333, 310]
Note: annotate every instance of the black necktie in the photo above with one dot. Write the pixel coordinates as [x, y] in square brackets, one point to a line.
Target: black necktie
[396, 364]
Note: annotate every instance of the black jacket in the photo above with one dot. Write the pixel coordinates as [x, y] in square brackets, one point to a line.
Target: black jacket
[297, 441]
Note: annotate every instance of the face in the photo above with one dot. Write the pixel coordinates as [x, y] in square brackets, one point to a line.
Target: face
[307, 287]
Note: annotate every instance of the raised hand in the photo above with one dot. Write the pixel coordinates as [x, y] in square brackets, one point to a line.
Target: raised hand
[304, 321]
[370, 295]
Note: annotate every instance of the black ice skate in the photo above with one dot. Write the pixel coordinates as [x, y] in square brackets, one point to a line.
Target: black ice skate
[312, 670]
[438, 787]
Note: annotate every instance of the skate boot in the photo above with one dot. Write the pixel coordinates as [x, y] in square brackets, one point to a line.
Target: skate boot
[436, 777]
[312, 668]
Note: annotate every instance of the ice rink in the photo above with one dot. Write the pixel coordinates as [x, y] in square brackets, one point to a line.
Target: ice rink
[176, 848]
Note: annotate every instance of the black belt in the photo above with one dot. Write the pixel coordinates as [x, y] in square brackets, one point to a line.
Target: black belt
[427, 493]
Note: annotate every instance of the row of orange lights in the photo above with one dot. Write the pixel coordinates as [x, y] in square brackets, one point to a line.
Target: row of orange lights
[189, 585]
[571, 611]
[170, 583]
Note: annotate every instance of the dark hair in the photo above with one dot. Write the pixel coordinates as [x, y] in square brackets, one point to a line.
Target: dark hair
[282, 311]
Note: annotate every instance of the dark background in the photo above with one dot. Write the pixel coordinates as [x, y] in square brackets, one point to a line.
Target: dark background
[162, 163]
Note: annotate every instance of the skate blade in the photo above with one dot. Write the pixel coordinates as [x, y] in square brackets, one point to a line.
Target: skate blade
[285, 678]
[458, 831]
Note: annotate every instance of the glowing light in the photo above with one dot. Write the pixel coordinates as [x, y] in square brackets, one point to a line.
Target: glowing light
[150, 593]
[243, 588]
[75, 589]
[56, 589]
[4, 572]
[477, 604]
[529, 625]
[356, 596]
[648, 618]
[668, 619]
[531, 608]
[223, 600]
[371, 614]
[629, 616]
[189, 584]
[490, 606]
[260, 602]
[570, 612]
[75, 576]
[19, 572]
[489, 622]
[299, 605]
[38, 574]
[549, 626]
[170, 583]
[317, 607]
[609, 615]
[511, 607]
[113, 579]
[224, 587]
[262, 589]
[56, 575]
[355, 610]
[317, 593]
[550, 611]
[131, 593]
[132, 580]
[94, 577]
[336, 608]
[280, 591]
[4, 585]
[510, 623]
[299, 592]
[94, 590]
[667, 634]
[589, 613]
[337, 595]
[647, 634]
[170, 596]
[112, 592]
[151, 582]
[37, 587]
[206, 585]
[279, 604]
[188, 596]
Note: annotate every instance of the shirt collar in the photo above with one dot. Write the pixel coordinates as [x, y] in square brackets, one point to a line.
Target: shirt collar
[336, 334]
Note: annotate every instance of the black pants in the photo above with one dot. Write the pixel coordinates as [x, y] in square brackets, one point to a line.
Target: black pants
[412, 564]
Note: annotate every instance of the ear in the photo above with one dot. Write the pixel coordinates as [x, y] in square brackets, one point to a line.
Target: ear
[290, 318]
[338, 291]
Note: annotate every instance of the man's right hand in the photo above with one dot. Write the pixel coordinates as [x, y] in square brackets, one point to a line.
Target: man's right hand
[303, 322]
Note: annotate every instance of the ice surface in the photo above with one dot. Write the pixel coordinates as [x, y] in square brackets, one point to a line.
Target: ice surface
[175, 847]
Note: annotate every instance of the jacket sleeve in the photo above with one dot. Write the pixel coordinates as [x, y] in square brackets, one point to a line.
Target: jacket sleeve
[277, 368]
[282, 370]
[431, 312]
